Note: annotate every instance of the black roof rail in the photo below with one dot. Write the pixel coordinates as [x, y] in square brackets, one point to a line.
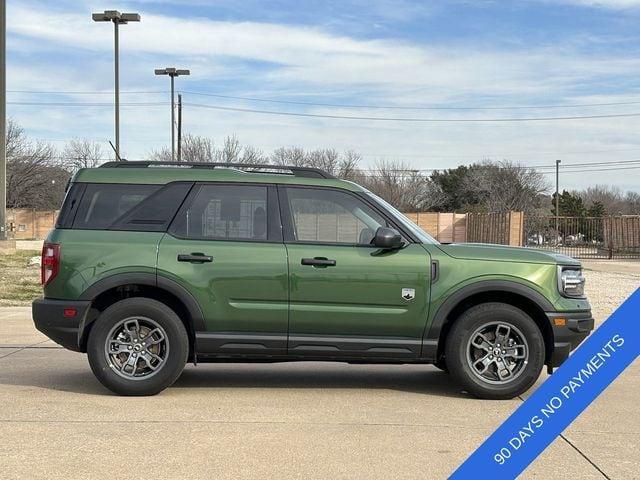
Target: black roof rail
[307, 172]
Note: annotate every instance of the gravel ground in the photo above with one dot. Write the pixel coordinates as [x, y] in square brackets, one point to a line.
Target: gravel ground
[606, 290]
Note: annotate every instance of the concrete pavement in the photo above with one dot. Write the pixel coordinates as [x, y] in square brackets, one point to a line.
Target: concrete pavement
[304, 420]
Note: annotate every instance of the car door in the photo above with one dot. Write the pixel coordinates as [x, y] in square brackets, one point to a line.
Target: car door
[347, 297]
[225, 247]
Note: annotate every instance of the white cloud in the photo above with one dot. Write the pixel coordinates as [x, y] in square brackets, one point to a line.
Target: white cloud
[315, 57]
[613, 4]
[304, 59]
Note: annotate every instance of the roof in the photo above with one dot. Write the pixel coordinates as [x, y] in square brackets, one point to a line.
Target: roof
[161, 173]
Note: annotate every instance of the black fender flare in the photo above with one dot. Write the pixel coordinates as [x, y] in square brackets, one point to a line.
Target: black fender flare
[149, 279]
[431, 337]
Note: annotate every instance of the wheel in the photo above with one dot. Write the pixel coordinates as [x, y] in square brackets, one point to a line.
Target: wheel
[495, 350]
[138, 346]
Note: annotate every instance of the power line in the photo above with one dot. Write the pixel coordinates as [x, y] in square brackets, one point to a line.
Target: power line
[84, 92]
[339, 105]
[598, 170]
[400, 107]
[88, 104]
[340, 117]
[526, 154]
[405, 119]
[571, 167]
[335, 105]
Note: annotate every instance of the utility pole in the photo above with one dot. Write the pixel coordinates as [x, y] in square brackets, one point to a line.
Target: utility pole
[172, 72]
[3, 121]
[557, 196]
[117, 18]
[179, 127]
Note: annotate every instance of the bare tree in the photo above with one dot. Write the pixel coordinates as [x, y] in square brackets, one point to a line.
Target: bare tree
[294, 156]
[34, 180]
[231, 150]
[343, 165]
[632, 203]
[194, 148]
[348, 166]
[611, 198]
[504, 186]
[253, 155]
[326, 159]
[405, 188]
[81, 153]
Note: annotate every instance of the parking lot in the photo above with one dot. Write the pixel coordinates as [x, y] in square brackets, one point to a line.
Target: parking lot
[298, 420]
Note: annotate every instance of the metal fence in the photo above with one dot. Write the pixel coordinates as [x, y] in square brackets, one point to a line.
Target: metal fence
[585, 237]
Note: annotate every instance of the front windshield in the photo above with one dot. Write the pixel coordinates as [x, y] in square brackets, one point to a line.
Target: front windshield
[402, 219]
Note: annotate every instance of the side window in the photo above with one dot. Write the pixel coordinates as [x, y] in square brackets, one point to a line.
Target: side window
[103, 203]
[330, 216]
[155, 213]
[225, 212]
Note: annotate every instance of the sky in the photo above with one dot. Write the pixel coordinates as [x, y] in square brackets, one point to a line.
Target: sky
[425, 80]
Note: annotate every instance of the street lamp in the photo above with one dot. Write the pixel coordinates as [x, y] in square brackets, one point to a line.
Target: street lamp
[118, 19]
[173, 73]
[557, 196]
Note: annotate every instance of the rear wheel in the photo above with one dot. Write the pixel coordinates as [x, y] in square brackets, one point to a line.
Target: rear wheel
[495, 350]
[138, 346]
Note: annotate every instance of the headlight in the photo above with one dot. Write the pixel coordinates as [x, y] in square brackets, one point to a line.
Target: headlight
[570, 281]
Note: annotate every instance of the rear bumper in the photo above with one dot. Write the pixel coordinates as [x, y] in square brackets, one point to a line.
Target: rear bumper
[578, 326]
[49, 318]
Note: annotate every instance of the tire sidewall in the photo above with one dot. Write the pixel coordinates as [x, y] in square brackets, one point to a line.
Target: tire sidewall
[474, 318]
[176, 337]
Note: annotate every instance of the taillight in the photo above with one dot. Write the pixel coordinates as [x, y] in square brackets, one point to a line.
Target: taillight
[50, 262]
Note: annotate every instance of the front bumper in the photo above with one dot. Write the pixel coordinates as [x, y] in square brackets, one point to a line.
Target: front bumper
[567, 337]
[49, 317]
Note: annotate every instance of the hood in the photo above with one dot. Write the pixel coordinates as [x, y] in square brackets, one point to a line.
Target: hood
[502, 253]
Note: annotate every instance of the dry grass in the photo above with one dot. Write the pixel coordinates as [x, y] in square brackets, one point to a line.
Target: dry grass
[19, 281]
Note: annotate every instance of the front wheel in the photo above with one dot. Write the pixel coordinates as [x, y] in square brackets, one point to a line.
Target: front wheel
[138, 346]
[495, 350]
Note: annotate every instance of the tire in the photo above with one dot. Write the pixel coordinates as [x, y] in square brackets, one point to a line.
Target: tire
[160, 347]
[486, 370]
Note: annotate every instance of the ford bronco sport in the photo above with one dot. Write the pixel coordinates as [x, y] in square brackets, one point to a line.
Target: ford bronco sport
[152, 265]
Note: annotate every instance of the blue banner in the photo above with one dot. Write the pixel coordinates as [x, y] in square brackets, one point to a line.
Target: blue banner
[560, 399]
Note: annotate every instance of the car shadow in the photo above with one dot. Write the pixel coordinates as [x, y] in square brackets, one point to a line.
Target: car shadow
[423, 379]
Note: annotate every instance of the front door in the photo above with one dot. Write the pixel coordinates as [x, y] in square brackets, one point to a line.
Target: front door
[225, 247]
[347, 297]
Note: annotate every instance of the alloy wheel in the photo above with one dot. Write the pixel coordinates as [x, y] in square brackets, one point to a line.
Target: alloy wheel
[136, 348]
[497, 352]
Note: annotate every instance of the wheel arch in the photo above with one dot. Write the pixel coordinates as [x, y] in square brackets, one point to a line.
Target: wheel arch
[126, 285]
[521, 296]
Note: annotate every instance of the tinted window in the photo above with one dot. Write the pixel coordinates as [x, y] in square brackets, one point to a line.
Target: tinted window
[70, 205]
[225, 212]
[330, 216]
[103, 203]
[156, 212]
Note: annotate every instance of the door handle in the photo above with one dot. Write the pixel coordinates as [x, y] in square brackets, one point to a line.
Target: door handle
[194, 258]
[318, 262]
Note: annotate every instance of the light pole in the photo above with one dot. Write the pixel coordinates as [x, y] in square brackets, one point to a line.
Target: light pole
[173, 73]
[117, 18]
[3, 126]
[557, 196]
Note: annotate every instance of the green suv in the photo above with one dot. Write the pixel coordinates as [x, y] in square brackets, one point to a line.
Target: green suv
[152, 265]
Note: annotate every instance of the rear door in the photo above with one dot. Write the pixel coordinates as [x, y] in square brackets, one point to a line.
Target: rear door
[225, 247]
[347, 297]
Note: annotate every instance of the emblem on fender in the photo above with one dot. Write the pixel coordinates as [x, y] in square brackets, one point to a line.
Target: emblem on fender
[408, 293]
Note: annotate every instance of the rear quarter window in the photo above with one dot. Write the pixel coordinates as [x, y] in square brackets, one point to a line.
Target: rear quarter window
[103, 203]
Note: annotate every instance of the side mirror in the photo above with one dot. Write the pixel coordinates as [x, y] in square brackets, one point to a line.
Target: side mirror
[387, 238]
